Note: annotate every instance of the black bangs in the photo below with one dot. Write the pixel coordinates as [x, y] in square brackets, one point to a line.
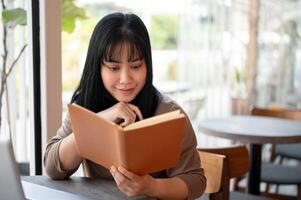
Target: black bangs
[114, 49]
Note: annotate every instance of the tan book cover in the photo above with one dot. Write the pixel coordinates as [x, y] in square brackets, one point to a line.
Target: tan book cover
[146, 146]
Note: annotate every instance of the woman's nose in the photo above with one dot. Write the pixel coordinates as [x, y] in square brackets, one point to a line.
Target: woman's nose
[125, 75]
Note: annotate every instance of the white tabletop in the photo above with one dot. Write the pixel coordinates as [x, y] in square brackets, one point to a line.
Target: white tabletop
[253, 129]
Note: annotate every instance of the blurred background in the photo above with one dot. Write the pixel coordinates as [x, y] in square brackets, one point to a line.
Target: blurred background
[214, 57]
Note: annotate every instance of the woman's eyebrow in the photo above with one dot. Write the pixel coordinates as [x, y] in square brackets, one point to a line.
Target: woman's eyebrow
[112, 61]
[134, 59]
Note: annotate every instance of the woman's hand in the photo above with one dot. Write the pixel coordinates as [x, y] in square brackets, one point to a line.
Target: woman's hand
[132, 184]
[122, 111]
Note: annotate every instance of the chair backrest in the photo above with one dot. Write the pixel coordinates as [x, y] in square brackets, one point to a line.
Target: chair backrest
[213, 165]
[277, 112]
[231, 161]
[237, 159]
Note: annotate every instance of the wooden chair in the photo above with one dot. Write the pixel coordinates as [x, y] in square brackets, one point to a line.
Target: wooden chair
[220, 165]
[281, 174]
[214, 167]
[291, 151]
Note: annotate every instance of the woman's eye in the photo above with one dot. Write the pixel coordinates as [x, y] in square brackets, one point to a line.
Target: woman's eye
[136, 66]
[114, 69]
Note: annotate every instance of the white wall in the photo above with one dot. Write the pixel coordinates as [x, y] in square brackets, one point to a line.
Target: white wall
[51, 78]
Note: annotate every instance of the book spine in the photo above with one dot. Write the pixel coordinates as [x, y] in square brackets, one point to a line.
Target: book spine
[121, 149]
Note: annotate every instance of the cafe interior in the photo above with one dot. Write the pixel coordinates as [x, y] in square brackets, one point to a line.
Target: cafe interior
[233, 66]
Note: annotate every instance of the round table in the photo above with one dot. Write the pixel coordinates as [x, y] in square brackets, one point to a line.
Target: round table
[255, 130]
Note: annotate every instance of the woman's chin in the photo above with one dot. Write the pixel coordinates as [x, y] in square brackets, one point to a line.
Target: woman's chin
[126, 99]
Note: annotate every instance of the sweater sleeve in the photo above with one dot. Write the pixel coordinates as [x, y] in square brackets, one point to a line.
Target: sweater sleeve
[189, 167]
[51, 156]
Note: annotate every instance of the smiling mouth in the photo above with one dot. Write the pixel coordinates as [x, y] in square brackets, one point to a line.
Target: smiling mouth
[126, 91]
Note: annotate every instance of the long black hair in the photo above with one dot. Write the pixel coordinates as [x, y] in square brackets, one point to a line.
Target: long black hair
[112, 31]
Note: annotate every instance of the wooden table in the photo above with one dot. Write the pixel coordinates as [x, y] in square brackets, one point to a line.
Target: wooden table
[91, 188]
[254, 130]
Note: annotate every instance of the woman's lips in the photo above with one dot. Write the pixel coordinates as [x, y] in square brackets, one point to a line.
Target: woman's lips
[126, 91]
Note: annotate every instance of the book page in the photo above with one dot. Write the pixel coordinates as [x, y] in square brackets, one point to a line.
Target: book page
[155, 120]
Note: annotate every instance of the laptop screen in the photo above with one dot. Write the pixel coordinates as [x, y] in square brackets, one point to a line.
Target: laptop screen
[10, 183]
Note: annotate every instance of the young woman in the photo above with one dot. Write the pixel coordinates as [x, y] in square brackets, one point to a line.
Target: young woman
[117, 84]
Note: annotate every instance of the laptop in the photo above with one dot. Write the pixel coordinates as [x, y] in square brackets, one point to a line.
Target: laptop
[11, 186]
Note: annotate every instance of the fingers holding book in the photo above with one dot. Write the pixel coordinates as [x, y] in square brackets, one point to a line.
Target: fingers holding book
[125, 114]
[122, 113]
[132, 184]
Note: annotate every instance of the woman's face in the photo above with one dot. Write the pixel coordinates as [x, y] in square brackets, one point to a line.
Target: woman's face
[124, 78]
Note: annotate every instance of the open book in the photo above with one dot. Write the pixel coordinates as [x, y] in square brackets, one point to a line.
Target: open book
[146, 146]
